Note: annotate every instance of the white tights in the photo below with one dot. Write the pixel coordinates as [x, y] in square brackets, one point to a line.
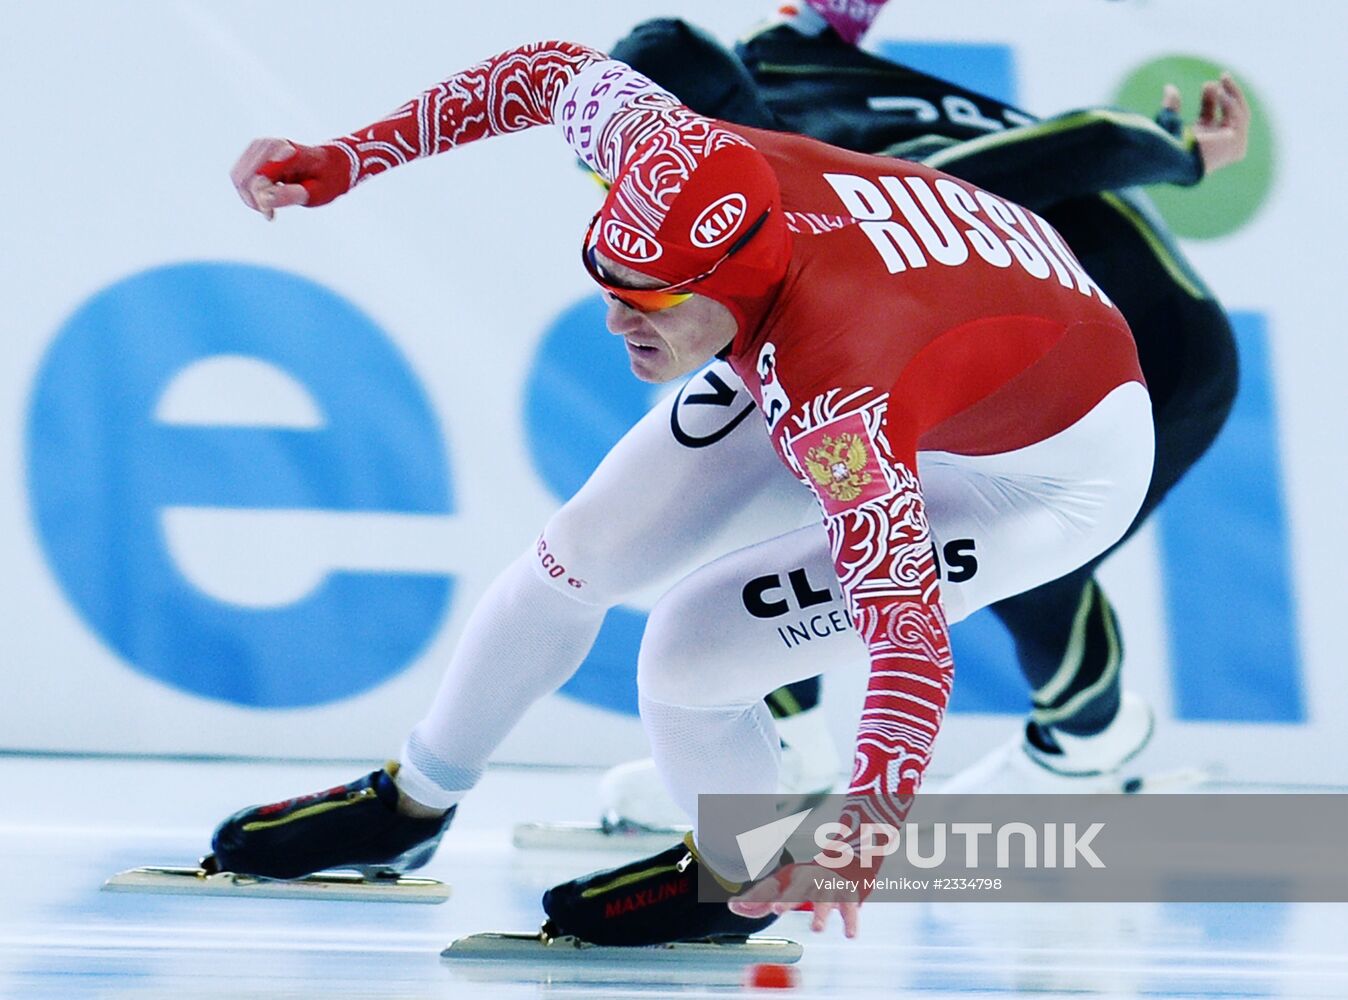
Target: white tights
[756, 604]
[694, 479]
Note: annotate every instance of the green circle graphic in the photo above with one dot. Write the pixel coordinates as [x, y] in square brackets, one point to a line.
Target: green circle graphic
[1228, 199]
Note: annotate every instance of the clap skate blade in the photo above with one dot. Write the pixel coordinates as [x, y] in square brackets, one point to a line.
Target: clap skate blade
[375, 885]
[544, 948]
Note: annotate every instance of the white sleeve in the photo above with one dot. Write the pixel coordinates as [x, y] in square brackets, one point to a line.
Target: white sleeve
[607, 109]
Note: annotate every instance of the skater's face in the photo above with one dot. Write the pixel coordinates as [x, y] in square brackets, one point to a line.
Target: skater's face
[670, 342]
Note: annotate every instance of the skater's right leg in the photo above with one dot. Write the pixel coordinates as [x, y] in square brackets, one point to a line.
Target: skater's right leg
[522, 641]
[690, 481]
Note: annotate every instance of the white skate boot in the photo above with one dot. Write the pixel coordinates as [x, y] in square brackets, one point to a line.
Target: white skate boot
[633, 793]
[1043, 761]
[638, 814]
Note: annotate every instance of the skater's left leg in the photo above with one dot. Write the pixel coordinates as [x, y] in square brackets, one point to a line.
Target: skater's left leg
[665, 499]
[706, 663]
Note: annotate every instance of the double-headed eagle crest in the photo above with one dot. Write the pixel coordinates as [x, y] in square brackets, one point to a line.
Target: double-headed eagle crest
[838, 465]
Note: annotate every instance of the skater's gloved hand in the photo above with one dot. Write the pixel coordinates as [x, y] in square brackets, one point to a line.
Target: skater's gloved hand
[273, 173]
[1222, 129]
[806, 885]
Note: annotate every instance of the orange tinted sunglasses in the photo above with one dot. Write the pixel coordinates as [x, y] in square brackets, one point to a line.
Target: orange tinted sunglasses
[648, 300]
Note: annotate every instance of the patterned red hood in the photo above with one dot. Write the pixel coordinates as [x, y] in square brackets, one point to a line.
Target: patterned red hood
[687, 195]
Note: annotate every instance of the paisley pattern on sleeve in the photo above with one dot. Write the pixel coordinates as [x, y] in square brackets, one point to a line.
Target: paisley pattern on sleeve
[881, 548]
[509, 92]
[606, 111]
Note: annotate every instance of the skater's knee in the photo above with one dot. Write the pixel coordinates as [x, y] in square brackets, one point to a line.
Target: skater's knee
[1216, 365]
[671, 673]
[1195, 412]
[579, 558]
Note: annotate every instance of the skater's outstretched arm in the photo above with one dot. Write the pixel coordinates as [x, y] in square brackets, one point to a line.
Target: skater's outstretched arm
[1101, 149]
[604, 109]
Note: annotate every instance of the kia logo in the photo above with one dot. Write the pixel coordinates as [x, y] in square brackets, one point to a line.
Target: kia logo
[629, 243]
[718, 221]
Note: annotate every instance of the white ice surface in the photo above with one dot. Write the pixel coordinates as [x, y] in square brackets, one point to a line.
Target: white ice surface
[67, 824]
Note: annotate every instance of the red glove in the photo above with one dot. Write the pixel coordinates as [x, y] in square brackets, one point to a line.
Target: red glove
[323, 171]
[274, 173]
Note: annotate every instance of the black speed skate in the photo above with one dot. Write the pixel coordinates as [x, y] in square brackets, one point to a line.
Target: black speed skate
[653, 901]
[354, 826]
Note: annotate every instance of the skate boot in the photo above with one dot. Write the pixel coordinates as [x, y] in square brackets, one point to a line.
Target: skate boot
[351, 826]
[651, 901]
[633, 795]
[1045, 761]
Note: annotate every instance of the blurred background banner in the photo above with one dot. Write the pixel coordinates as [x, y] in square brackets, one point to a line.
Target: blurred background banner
[255, 476]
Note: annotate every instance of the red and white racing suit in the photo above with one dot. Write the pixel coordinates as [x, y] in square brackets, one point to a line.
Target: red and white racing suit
[919, 316]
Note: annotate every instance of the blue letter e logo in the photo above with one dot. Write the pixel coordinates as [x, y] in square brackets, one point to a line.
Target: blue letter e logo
[245, 395]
